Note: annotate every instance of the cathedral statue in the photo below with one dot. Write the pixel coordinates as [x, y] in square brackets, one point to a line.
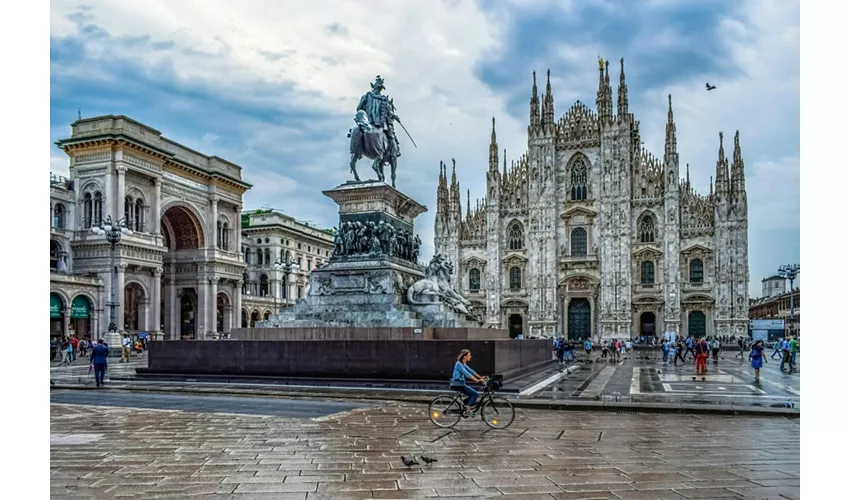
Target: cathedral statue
[374, 135]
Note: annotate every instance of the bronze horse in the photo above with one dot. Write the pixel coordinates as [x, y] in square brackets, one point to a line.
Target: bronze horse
[372, 143]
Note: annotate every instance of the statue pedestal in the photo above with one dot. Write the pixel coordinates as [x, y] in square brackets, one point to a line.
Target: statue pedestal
[364, 283]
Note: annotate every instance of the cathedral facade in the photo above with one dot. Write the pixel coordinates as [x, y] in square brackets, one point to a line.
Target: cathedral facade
[590, 235]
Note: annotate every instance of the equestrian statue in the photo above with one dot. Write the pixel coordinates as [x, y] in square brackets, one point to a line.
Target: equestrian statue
[374, 134]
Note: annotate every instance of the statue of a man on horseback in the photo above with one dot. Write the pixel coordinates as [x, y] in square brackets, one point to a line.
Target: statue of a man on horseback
[374, 134]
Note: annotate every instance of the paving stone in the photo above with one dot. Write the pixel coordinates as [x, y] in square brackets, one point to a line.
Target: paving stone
[649, 495]
[274, 487]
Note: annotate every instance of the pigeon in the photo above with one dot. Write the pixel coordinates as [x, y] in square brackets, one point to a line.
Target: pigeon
[710, 87]
[410, 462]
[428, 460]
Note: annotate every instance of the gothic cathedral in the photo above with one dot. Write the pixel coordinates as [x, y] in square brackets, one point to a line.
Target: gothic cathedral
[590, 235]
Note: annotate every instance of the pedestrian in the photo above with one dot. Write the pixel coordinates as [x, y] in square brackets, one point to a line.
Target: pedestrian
[629, 347]
[701, 350]
[588, 348]
[74, 345]
[757, 356]
[99, 353]
[777, 348]
[715, 349]
[604, 349]
[53, 348]
[125, 349]
[622, 348]
[795, 348]
[680, 353]
[66, 353]
[84, 345]
[665, 350]
[571, 349]
[560, 348]
[740, 349]
[786, 355]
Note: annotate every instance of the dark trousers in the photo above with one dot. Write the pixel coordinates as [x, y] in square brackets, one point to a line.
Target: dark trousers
[786, 358]
[714, 353]
[680, 354]
[99, 373]
[472, 395]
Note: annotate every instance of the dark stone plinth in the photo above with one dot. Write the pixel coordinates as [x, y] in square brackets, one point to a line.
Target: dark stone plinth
[377, 333]
[355, 359]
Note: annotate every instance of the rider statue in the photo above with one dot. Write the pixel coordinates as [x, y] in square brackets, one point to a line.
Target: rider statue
[380, 111]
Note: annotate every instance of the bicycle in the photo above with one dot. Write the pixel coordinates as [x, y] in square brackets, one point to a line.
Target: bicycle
[497, 412]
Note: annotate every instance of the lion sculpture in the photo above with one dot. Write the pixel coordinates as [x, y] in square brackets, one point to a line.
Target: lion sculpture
[436, 287]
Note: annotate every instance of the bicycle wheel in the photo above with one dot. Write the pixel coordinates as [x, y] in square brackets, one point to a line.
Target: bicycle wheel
[498, 413]
[445, 411]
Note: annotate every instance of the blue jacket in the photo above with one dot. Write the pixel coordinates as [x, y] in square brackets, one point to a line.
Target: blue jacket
[99, 353]
[461, 373]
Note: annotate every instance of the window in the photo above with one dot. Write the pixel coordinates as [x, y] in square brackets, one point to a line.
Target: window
[244, 283]
[578, 242]
[268, 255]
[139, 215]
[646, 229]
[474, 280]
[647, 273]
[245, 254]
[515, 236]
[299, 246]
[218, 234]
[87, 211]
[515, 278]
[264, 285]
[59, 216]
[55, 255]
[98, 208]
[259, 256]
[300, 292]
[128, 212]
[225, 237]
[696, 271]
[578, 180]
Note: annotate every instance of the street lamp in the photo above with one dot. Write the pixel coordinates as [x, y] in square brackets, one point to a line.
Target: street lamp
[790, 272]
[113, 232]
[287, 265]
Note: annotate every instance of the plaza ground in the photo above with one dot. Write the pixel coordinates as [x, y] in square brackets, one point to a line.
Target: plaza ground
[102, 446]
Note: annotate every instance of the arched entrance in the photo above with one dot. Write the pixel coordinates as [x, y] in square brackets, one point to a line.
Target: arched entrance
[134, 308]
[244, 318]
[515, 325]
[578, 318]
[181, 229]
[255, 316]
[696, 324]
[57, 315]
[81, 313]
[267, 315]
[647, 324]
[187, 316]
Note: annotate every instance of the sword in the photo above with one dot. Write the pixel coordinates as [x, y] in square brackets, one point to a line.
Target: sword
[406, 132]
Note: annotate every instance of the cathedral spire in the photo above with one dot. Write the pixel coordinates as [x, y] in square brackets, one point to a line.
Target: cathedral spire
[738, 187]
[722, 171]
[603, 95]
[688, 174]
[504, 164]
[454, 174]
[622, 93]
[711, 186]
[548, 103]
[494, 149]
[534, 106]
[670, 146]
[468, 205]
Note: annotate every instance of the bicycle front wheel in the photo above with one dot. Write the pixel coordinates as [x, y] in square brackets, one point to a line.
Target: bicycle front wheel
[498, 413]
[445, 411]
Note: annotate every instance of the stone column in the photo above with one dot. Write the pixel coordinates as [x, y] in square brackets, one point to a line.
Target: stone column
[213, 305]
[237, 231]
[119, 201]
[176, 311]
[213, 224]
[156, 300]
[201, 309]
[236, 319]
[155, 210]
[228, 319]
[119, 296]
[168, 310]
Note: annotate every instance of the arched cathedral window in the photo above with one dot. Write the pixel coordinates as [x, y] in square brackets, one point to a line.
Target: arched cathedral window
[87, 211]
[646, 229]
[259, 256]
[515, 236]
[578, 242]
[578, 180]
[98, 208]
[59, 216]
[139, 215]
[474, 280]
[515, 277]
[696, 271]
[647, 273]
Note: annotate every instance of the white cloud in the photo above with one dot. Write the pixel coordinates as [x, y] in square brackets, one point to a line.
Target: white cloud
[59, 164]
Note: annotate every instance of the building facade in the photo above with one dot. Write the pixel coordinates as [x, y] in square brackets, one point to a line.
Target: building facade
[779, 307]
[270, 241]
[179, 272]
[589, 234]
[773, 286]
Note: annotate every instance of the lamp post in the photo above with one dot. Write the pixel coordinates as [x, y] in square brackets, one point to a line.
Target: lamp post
[112, 231]
[287, 265]
[790, 272]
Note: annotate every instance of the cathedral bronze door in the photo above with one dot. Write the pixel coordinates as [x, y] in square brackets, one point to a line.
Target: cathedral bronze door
[578, 319]
[515, 325]
[696, 324]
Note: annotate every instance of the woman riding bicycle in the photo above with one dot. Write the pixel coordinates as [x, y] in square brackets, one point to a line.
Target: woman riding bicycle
[461, 373]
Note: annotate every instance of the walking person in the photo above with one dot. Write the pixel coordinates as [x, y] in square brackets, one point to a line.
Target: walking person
[715, 349]
[604, 350]
[588, 348]
[560, 348]
[66, 353]
[777, 348]
[701, 350]
[665, 350]
[757, 356]
[795, 348]
[786, 354]
[680, 353]
[125, 349]
[629, 347]
[75, 343]
[740, 349]
[99, 353]
[571, 349]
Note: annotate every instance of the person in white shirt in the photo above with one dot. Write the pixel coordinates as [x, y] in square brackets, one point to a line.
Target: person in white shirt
[715, 349]
[125, 349]
[629, 346]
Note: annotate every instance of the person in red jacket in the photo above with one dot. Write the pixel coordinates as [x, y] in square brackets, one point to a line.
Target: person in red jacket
[701, 351]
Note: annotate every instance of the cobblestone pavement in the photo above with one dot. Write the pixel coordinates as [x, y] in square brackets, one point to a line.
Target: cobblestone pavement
[110, 452]
[643, 377]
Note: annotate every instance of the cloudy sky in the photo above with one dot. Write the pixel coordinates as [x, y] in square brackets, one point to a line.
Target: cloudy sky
[272, 86]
